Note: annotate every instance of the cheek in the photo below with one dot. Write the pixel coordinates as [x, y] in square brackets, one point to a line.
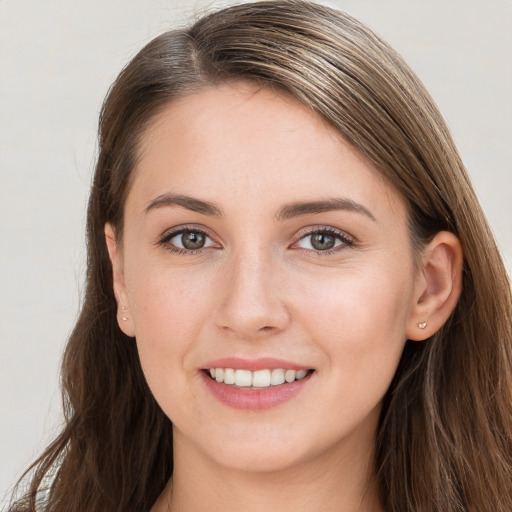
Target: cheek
[168, 311]
[359, 321]
[167, 302]
[360, 328]
[359, 301]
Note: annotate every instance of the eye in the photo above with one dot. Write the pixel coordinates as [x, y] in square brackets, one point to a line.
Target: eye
[323, 240]
[191, 240]
[187, 240]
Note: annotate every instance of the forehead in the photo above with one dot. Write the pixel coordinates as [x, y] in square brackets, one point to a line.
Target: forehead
[238, 116]
[240, 138]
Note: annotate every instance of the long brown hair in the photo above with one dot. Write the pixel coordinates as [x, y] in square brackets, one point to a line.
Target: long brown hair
[445, 436]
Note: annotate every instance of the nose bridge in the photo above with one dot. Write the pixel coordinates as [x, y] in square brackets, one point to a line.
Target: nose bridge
[252, 303]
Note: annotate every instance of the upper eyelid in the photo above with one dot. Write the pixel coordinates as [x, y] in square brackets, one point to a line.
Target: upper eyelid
[299, 235]
[310, 230]
[172, 232]
[164, 240]
[347, 240]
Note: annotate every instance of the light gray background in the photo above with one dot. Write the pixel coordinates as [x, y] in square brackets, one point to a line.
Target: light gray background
[57, 59]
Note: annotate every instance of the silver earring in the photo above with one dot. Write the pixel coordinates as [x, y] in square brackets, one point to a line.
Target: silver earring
[124, 309]
[422, 325]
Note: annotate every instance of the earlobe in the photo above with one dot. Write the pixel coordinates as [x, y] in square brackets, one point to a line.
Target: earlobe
[438, 286]
[124, 317]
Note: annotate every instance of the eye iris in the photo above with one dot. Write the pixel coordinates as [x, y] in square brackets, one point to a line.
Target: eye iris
[322, 241]
[192, 240]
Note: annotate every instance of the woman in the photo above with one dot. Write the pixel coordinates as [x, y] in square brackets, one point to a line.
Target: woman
[293, 297]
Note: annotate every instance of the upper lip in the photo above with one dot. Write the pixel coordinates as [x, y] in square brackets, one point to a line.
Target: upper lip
[262, 363]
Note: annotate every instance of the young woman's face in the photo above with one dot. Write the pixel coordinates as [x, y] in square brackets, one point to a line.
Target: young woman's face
[258, 243]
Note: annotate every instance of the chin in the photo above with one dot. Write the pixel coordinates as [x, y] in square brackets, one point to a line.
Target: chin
[259, 460]
[257, 448]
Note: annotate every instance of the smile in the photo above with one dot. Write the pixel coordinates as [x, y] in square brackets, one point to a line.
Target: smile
[256, 379]
[255, 384]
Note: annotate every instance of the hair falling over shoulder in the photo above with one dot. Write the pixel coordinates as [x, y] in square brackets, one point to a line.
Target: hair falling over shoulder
[445, 434]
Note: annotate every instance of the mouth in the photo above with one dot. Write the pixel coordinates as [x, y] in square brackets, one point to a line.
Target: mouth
[255, 384]
[256, 380]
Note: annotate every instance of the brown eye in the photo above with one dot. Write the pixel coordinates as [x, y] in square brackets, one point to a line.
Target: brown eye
[187, 240]
[323, 241]
[193, 240]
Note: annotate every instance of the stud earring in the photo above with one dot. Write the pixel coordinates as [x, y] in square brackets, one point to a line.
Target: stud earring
[422, 325]
[124, 317]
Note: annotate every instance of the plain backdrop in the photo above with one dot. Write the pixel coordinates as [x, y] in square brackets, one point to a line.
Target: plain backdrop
[57, 60]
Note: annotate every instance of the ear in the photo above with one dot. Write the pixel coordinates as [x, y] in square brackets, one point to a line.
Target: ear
[438, 286]
[124, 316]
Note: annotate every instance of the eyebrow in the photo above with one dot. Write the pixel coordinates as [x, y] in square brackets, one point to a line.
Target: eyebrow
[306, 208]
[288, 211]
[190, 203]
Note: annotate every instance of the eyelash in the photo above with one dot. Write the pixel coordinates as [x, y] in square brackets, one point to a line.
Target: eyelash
[346, 240]
[165, 239]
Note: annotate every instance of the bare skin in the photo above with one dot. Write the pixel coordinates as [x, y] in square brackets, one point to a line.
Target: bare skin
[253, 231]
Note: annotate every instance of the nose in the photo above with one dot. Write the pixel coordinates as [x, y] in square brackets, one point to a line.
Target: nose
[252, 302]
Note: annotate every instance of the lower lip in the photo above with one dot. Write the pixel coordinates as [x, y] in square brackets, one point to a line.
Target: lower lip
[255, 399]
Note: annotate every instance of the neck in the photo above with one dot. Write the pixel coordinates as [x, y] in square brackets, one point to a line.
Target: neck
[339, 481]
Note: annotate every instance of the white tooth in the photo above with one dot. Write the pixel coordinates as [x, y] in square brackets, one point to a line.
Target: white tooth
[277, 377]
[212, 372]
[261, 379]
[243, 378]
[229, 376]
[300, 374]
[289, 376]
[219, 375]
